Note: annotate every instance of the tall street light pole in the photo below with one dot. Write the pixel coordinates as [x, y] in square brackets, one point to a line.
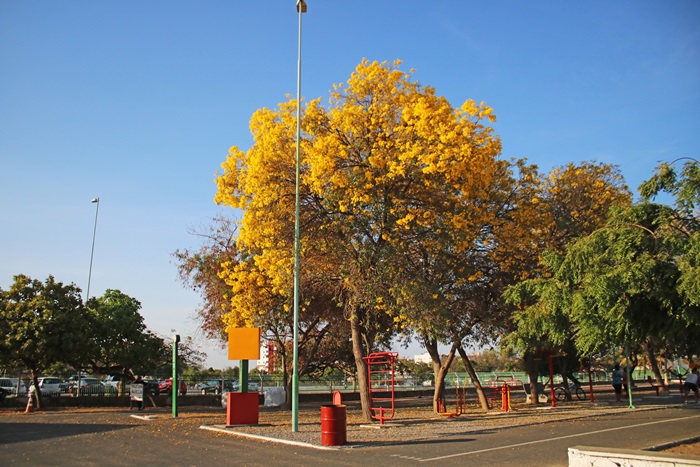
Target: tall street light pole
[301, 8]
[92, 252]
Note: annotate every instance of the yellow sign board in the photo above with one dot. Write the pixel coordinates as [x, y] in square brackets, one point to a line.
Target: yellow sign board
[244, 343]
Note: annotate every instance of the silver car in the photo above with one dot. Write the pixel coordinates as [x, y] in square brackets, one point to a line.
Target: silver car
[13, 386]
[50, 386]
[88, 386]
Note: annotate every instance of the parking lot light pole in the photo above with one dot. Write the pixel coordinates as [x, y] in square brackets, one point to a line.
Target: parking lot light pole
[301, 8]
[92, 252]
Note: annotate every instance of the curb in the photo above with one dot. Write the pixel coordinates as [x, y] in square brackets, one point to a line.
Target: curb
[223, 429]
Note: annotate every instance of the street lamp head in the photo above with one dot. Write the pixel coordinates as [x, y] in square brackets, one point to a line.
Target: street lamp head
[95, 200]
[301, 6]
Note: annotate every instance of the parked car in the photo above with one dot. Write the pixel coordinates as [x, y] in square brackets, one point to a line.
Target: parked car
[3, 393]
[88, 387]
[211, 386]
[11, 385]
[73, 379]
[166, 386]
[252, 387]
[50, 386]
[112, 382]
[151, 387]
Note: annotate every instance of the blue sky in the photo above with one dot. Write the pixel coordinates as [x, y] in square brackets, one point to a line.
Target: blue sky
[138, 102]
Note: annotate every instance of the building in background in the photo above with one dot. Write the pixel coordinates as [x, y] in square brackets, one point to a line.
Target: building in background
[266, 363]
[423, 358]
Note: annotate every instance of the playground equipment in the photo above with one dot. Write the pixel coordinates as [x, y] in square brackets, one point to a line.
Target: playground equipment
[380, 378]
[590, 372]
[500, 388]
[460, 401]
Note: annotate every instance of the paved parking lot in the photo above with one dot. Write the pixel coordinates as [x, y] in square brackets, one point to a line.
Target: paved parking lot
[114, 437]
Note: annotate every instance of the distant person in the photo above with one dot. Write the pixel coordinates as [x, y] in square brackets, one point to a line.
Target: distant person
[691, 384]
[617, 376]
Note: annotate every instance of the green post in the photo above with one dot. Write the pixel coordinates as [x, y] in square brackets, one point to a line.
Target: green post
[173, 391]
[244, 376]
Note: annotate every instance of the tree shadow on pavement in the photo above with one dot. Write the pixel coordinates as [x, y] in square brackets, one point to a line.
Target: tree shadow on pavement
[22, 432]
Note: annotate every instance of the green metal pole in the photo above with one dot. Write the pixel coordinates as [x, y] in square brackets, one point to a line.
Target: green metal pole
[629, 376]
[173, 390]
[244, 375]
[301, 7]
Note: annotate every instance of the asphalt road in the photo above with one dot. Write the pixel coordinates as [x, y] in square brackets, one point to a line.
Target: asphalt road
[116, 438]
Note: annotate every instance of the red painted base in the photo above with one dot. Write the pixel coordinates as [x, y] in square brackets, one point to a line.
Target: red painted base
[242, 408]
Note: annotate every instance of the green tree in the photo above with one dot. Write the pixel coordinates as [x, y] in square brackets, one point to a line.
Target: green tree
[682, 231]
[626, 283]
[119, 343]
[41, 324]
[576, 200]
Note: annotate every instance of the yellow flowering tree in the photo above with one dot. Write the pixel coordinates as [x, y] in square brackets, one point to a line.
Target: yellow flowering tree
[452, 296]
[389, 169]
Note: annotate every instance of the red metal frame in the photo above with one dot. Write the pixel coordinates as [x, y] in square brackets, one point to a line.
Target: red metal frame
[501, 387]
[380, 379]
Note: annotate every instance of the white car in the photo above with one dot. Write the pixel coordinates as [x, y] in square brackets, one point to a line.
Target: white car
[252, 387]
[112, 381]
[11, 386]
[50, 386]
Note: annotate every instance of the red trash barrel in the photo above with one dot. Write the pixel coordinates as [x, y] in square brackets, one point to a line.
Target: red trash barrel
[333, 425]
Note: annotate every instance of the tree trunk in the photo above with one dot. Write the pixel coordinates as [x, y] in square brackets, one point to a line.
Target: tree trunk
[651, 356]
[432, 347]
[288, 400]
[440, 370]
[37, 391]
[361, 365]
[286, 380]
[533, 376]
[475, 379]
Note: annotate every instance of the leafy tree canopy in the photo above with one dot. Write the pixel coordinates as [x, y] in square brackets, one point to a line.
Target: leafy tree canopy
[41, 324]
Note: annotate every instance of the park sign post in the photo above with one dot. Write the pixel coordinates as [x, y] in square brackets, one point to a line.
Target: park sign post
[243, 345]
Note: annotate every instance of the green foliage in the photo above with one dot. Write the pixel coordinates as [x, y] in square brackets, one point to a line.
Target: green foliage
[118, 341]
[633, 280]
[492, 360]
[411, 367]
[684, 187]
[41, 324]
[45, 328]
[689, 265]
